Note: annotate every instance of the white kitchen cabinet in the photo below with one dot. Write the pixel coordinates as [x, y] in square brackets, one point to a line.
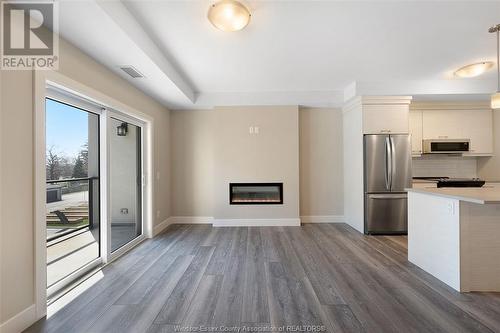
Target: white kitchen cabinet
[385, 119]
[441, 124]
[477, 125]
[415, 129]
[474, 124]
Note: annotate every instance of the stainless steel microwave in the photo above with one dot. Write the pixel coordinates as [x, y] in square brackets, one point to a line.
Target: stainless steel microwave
[446, 146]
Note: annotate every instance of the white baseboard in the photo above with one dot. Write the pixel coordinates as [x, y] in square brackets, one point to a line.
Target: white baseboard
[256, 222]
[20, 322]
[247, 222]
[323, 219]
[160, 227]
[190, 220]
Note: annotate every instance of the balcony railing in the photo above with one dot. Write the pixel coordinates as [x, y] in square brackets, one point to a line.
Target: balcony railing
[72, 205]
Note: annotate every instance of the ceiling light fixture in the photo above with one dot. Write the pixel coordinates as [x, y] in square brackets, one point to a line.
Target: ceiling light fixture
[229, 15]
[495, 98]
[474, 70]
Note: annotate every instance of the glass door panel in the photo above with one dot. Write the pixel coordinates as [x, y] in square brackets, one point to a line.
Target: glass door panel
[72, 191]
[125, 173]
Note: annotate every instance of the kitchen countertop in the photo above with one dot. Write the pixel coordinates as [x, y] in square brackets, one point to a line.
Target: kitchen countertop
[488, 194]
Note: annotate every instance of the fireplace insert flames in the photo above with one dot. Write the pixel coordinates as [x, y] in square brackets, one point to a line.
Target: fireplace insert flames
[256, 193]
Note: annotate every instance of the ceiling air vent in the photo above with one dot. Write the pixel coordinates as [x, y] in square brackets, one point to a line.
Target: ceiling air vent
[134, 73]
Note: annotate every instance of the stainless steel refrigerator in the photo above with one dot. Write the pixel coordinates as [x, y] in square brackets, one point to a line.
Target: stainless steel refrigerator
[387, 172]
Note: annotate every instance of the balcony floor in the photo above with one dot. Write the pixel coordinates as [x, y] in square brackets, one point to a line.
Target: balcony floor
[70, 254]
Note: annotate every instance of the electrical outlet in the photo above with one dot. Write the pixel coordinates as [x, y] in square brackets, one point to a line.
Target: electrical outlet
[256, 129]
[250, 130]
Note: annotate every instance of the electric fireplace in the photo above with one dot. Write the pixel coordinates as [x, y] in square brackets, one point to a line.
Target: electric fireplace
[256, 193]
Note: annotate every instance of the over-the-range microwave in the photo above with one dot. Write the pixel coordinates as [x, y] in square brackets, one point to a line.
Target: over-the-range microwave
[445, 146]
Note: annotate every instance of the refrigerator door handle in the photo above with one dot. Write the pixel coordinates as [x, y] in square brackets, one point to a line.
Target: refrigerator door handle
[393, 160]
[388, 164]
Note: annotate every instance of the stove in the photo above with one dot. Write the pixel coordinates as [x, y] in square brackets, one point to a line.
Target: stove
[431, 179]
[460, 182]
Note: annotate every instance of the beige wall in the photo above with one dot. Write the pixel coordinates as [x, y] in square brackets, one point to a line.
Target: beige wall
[270, 156]
[321, 156]
[16, 186]
[16, 219]
[192, 162]
[488, 168]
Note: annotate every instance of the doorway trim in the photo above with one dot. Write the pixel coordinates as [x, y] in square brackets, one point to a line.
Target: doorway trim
[40, 81]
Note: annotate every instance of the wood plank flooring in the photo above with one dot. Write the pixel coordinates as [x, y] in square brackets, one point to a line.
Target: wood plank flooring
[323, 275]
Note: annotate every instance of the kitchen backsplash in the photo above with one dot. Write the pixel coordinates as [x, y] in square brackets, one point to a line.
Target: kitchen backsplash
[445, 166]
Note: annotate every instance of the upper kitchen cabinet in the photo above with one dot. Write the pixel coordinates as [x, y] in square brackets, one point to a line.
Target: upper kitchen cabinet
[416, 129]
[385, 119]
[457, 121]
[441, 124]
[478, 127]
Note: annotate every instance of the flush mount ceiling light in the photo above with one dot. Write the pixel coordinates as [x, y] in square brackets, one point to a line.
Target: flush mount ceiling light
[474, 70]
[495, 98]
[228, 15]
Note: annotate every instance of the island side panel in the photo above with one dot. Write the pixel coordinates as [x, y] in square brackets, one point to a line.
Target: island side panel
[434, 236]
[480, 246]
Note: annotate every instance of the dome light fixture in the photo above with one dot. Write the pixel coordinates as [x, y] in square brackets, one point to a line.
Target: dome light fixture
[495, 98]
[474, 70]
[229, 15]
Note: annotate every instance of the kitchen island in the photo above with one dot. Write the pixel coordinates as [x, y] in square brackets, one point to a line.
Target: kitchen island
[454, 234]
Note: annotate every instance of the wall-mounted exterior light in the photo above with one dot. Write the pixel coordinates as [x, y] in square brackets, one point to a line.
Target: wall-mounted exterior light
[122, 130]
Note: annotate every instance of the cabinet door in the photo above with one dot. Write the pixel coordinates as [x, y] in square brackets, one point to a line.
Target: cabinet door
[416, 132]
[441, 124]
[477, 125]
[385, 119]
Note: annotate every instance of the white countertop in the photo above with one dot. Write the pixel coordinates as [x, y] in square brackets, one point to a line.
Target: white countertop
[488, 194]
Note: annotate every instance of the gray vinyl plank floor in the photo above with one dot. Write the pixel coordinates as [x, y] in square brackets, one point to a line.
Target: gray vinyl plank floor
[315, 277]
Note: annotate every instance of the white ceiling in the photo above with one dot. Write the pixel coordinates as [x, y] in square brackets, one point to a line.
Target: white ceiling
[292, 52]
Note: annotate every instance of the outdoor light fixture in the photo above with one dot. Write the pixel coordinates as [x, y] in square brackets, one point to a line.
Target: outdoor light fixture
[474, 70]
[229, 15]
[122, 129]
[495, 98]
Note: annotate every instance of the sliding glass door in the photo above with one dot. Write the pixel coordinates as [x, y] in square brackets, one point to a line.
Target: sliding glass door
[95, 191]
[125, 179]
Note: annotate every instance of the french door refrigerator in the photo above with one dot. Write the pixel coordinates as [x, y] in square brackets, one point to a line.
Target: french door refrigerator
[387, 172]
